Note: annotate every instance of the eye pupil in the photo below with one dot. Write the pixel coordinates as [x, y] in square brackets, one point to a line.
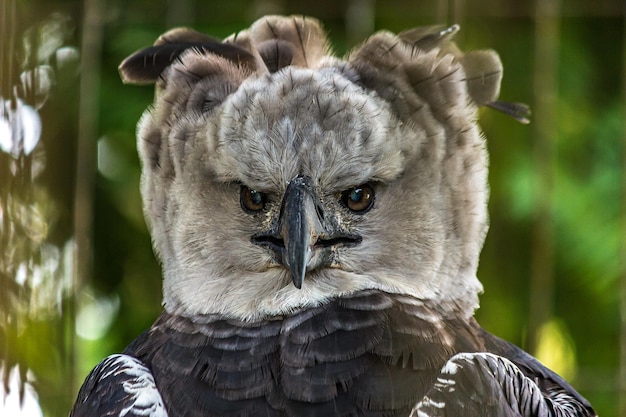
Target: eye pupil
[356, 195]
[256, 197]
[252, 200]
[358, 199]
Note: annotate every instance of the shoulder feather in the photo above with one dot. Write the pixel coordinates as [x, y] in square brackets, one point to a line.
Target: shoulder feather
[119, 386]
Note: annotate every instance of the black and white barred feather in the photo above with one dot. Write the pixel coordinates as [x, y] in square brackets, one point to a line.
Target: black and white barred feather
[120, 386]
[485, 384]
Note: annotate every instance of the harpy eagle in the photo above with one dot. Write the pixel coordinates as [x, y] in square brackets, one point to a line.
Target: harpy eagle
[319, 222]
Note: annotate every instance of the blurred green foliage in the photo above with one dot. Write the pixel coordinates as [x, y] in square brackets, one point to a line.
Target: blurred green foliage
[123, 296]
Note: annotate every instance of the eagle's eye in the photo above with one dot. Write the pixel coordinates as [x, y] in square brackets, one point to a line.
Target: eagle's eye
[359, 199]
[252, 200]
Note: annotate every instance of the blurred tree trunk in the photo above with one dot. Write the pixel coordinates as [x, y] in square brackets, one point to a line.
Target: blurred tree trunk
[180, 13]
[547, 27]
[622, 371]
[265, 7]
[89, 98]
[7, 328]
[360, 17]
[450, 12]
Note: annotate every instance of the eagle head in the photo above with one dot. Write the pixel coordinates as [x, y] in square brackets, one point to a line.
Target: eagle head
[277, 176]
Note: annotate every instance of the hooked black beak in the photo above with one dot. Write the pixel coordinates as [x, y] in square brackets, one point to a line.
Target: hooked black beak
[304, 237]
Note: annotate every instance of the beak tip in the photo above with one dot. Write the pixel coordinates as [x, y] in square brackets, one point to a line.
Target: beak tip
[297, 280]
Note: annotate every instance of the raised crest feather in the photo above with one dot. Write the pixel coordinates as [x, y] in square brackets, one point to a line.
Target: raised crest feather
[519, 111]
[147, 65]
[282, 41]
[276, 42]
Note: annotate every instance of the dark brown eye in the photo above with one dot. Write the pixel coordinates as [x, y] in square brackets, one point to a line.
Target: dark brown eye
[252, 200]
[358, 199]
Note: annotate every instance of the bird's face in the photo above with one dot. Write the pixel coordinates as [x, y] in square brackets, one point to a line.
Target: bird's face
[307, 152]
[268, 192]
[302, 186]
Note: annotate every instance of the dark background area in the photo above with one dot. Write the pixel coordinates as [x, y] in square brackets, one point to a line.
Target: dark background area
[78, 279]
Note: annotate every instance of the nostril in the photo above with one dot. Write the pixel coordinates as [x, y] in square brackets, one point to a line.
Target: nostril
[278, 244]
[274, 242]
[344, 240]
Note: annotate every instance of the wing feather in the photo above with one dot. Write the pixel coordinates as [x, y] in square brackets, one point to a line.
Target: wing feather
[119, 386]
[553, 386]
[489, 385]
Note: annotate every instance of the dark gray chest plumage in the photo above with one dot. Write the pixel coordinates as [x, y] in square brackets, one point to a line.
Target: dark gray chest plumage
[373, 354]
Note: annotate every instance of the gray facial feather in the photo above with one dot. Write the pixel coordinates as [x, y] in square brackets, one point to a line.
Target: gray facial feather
[394, 113]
